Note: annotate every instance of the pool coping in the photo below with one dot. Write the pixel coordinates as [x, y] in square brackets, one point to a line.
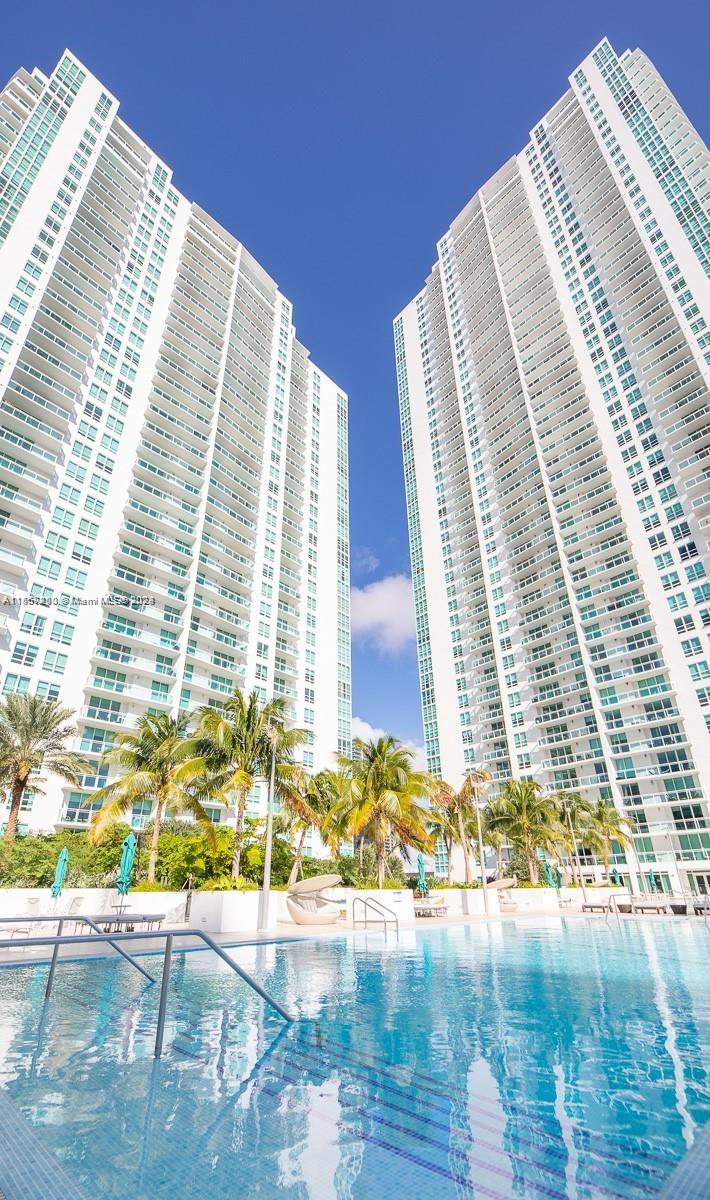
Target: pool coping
[234, 939]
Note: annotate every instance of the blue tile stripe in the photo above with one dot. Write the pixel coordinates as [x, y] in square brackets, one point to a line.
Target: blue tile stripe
[550, 1150]
[545, 1125]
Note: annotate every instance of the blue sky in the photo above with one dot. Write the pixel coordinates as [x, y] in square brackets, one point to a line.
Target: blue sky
[337, 141]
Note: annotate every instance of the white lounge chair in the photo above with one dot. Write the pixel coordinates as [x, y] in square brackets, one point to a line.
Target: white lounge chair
[431, 906]
[307, 906]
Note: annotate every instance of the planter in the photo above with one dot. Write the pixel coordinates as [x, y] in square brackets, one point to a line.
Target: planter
[474, 904]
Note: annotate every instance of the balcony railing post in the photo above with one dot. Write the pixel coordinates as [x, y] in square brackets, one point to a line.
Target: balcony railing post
[163, 995]
[53, 964]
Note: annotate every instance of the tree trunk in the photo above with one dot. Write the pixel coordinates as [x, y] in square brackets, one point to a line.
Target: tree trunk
[157, 822]
[360, 850]
[381, 864]
[450, 865]
[238, 834]
[464, 847]
[533, 868]
[18, 791]
[296, 868]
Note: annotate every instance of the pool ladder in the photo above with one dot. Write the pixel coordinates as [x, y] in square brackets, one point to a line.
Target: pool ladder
[91, 938]
[382, 912]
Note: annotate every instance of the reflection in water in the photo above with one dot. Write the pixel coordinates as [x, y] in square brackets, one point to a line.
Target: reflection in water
[559, 1060]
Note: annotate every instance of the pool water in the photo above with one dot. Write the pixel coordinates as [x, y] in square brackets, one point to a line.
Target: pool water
[558, 1059]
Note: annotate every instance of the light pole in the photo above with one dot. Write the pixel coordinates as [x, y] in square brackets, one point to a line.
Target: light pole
[263, 922]
[576, 855]
[481, 859]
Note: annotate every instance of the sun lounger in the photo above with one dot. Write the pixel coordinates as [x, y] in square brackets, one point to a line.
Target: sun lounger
[648, 904]
[307, 906]
[436, 907]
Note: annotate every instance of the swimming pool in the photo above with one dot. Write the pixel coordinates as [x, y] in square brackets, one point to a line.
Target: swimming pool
[559, 1059]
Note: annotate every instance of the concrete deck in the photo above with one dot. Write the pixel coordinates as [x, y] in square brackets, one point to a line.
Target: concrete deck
[286, 931]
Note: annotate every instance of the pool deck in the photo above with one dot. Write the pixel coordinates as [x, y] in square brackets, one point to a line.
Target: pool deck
[286, 931]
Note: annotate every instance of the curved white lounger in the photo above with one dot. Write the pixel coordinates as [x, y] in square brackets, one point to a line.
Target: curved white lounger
[307, 906]
[502, 885]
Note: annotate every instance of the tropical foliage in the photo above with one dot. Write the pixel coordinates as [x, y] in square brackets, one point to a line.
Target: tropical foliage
[606, 825]
[530, 820]
[34, 737]
[459, 809]
[383, 799]
[372, 813]
[238, 744]
[158, 763]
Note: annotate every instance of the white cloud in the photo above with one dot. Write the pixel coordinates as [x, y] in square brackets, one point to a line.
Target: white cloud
[363, 560]
[382, 613]
[366, 731]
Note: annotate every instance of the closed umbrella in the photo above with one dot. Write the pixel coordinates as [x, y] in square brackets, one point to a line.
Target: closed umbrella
[651, 881]
[558, 878]
[60, 873]
[615, 877]
[125, 867]
[548, 874]
[422, 884]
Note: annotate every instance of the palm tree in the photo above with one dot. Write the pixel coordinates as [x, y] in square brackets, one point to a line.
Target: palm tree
[382, 798]
[462, 807]
[606, 825]
[334, 826]
[441, 825]
[574, 814]
[493, 834]
[34, 733]
[529, 820]
[305, 803]
[238, 743]
[159, 763]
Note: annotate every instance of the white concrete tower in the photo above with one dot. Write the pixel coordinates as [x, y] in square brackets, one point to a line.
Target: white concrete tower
[553, 377]
[173, 467]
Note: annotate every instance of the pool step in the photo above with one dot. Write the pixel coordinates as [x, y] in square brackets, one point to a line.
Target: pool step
[691, 1178]
[28, 1170]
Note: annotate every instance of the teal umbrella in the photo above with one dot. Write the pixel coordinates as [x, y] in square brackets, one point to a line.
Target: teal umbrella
[422, 884]
[548, 874]
[652, 881]
[125, 867]
[558, 878]
[615, 876]
[60, 873]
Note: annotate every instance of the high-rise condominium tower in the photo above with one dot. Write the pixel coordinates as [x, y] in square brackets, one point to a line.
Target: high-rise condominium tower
[553, 380]
[173, 467]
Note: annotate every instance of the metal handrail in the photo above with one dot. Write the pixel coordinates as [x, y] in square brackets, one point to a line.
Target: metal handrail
[381, 910]
[59, 919]
[613, 904]
[85, 938]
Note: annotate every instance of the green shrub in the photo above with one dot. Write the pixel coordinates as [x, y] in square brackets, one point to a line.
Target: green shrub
[225, 883]
[31, 861]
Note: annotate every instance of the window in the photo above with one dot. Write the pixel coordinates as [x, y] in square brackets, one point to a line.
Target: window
[54, 662]
[62, 633]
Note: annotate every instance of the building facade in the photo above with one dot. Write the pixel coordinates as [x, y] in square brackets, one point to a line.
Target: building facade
[553, 379]
[173, 467]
